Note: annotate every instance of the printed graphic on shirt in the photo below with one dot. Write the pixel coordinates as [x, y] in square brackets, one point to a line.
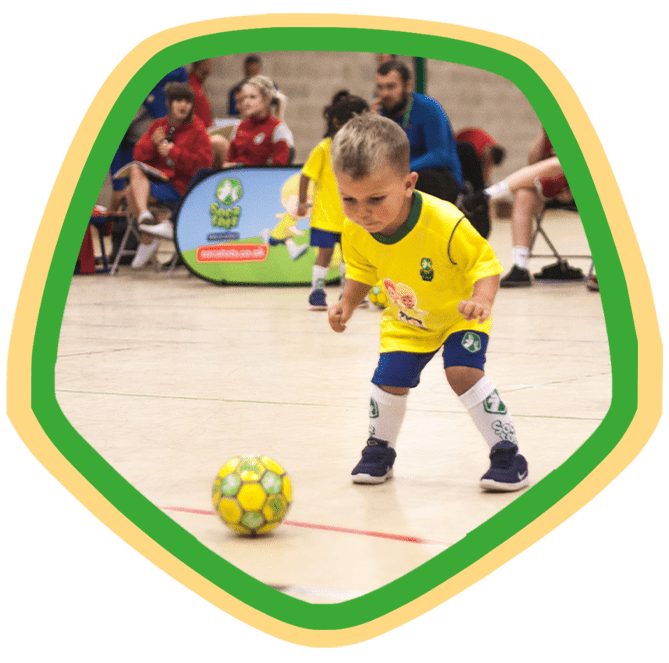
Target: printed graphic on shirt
[259, 138]
[405, 299]
[426, 270]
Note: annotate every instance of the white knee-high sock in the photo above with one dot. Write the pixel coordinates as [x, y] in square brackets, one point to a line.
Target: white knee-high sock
[489, 413]
[386, 414]
[318, 276]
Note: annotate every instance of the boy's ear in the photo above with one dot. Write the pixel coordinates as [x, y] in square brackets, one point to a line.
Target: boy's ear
[411, 180]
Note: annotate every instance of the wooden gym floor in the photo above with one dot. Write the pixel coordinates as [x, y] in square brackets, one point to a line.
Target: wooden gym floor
[169, 376]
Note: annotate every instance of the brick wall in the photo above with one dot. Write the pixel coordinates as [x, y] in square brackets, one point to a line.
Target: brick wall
[470, 97]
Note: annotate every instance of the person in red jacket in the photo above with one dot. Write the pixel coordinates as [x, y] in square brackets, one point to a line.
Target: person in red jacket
[261, 139]
[177, 146]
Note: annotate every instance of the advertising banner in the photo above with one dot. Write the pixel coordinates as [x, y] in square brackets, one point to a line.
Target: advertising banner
[239, 225]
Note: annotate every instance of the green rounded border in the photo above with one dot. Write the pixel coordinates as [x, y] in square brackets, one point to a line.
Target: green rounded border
[516, 516]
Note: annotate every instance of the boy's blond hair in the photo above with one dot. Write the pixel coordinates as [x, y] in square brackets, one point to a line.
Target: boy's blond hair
[368, 142]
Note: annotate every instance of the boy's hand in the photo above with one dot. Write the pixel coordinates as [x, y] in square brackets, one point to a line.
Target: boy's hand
[302, 210]
[339, 314]
[470, 309]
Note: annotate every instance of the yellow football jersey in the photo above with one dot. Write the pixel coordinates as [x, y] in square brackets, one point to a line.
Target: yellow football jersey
[327, 212]
[427, 268]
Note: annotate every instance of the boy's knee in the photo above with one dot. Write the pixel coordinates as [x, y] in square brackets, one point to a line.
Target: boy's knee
[463, 378]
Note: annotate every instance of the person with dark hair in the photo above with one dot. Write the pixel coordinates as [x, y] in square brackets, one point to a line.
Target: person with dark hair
[176, 145]
[327, 214]
[152, 108]
[252, 67]
[434, 152]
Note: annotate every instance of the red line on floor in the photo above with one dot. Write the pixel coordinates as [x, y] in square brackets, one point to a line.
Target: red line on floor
[327, 528]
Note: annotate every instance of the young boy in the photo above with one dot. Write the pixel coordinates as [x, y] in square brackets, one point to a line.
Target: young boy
[327, 216]
[441, 278]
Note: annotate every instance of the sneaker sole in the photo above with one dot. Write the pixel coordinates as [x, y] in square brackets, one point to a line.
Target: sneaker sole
[497, 487]
[522, 284]
[369, 479]
[318, 308]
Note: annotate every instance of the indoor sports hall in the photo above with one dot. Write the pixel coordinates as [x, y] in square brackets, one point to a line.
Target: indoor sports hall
[167, 375]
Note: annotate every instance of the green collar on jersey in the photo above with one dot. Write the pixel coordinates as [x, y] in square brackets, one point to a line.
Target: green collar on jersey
[407, 226]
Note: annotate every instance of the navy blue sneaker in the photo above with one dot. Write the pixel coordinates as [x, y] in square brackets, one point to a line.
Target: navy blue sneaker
[317, 300]
[376, 464]
[508, 469]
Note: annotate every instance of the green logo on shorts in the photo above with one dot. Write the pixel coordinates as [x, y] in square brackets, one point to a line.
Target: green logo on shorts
[471, 342]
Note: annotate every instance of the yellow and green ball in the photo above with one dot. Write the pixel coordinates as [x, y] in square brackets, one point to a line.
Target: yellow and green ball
[252, 494]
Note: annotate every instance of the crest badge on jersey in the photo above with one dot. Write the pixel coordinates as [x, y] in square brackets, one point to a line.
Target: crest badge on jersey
[426, 270]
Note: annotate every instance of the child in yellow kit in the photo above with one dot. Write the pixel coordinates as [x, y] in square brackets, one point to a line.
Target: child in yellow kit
[441, 278]
[327, 215]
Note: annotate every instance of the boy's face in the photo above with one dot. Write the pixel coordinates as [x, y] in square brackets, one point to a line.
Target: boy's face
[379, 202]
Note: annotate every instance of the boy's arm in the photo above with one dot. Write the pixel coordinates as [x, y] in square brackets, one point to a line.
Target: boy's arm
[303, 207]
[479, 305]
[340, 313]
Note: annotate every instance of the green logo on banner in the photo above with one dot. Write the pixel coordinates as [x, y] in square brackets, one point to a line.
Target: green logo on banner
[229, 191]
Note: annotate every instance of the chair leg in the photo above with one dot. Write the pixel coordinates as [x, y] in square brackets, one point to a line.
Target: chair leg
[122, 251]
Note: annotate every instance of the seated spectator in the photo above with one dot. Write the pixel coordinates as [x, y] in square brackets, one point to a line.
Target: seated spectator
[531, 186]
[434, 152]
[261, 139]
[252, 67]
[488, 152]
[478, 153]
[176, 145]
[199, 73]
[152, 108]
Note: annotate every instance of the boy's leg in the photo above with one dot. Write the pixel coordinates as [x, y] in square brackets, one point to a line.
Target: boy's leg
[395, 374]
[324, 242]
[464, 357]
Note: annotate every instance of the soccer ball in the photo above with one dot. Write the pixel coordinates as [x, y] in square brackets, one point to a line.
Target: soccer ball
[252, 494]
[378, 297]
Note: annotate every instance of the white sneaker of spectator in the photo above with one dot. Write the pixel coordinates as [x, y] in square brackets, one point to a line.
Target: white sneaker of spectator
[163, 229]
[144, 253]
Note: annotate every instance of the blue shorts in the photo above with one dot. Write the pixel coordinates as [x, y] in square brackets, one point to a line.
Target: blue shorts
[324, 239]
[403, 369]
[165, 192]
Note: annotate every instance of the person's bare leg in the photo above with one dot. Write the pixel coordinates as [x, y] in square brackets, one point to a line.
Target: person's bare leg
[138, 195]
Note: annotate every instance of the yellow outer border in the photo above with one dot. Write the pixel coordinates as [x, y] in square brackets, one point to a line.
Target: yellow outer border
[19, 359]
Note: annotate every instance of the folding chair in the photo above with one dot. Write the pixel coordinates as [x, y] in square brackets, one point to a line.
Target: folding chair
[562, 269]
[132, 229]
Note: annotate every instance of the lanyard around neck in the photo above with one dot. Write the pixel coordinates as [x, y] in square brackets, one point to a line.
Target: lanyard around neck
[407, 112]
